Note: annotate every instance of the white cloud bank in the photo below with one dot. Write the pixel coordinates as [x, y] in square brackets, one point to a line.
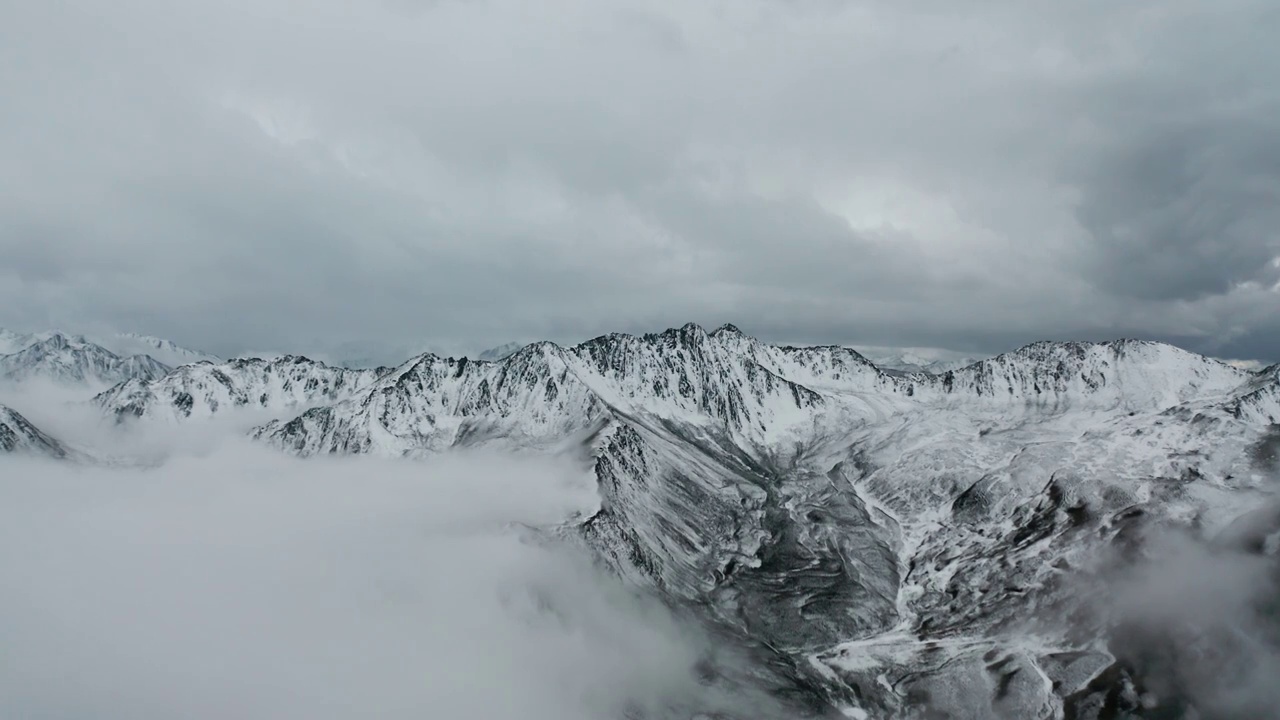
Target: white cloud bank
[242, 584]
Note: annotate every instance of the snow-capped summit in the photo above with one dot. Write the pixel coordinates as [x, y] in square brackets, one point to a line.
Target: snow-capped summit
[18, 435]
[73, 360]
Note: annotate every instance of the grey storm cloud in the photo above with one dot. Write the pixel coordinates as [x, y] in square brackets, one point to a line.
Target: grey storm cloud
[293, 176]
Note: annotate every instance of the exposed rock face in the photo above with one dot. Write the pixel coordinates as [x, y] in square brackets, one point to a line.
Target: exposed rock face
[19, 436]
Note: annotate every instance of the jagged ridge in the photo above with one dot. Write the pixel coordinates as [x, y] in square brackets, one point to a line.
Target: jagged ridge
[544, 392]
[205, 389]
[757, 392]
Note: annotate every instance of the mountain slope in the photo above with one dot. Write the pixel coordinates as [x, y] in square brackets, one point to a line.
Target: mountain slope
[76, 361]
[19, 436]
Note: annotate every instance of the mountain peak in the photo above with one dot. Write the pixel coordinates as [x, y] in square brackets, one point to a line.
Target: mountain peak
[690, 332]
[55, 341]
[73, 360]
[692, 328]
[18, 435]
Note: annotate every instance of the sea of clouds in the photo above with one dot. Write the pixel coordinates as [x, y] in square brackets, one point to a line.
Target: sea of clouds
[196, 575]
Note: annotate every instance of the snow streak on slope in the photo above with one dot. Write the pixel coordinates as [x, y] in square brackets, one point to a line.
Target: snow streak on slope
[76, 361]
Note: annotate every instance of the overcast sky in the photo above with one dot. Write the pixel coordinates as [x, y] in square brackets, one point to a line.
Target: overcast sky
[280, 174]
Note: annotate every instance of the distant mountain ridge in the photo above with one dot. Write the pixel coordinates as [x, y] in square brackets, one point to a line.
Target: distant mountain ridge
[162, 350]
[75, 360]
[123, 344]
[723, 375]
[725, 380]
[205, 389]
[915, 360]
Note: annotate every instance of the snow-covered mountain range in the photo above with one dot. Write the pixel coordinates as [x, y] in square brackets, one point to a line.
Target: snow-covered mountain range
[883, 540]
[205, 389]
[75, 360]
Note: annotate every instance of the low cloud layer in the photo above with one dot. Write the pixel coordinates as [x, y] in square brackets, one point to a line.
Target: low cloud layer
[263, 175]
[1197, 622]
[242, 584]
